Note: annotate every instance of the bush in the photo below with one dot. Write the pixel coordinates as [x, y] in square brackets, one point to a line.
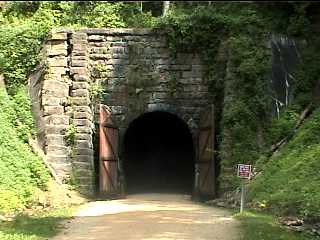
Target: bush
[21, 170]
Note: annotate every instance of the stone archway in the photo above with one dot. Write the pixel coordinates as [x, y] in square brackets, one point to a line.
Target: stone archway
[158, 154]
[138, 74]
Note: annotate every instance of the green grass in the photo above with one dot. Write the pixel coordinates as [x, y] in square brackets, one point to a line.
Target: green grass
[289, 183]
[258, 226]
[37, 227]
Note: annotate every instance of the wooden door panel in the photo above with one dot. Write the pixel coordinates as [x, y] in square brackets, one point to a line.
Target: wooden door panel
[108, 153]
[205, 160]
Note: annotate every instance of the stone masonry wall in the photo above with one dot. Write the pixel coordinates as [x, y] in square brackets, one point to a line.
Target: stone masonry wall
[138, 75]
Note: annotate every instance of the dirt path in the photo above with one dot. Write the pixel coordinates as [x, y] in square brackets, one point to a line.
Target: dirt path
[150, 217]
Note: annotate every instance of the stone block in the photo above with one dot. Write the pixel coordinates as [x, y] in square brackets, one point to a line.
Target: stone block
[160, 95]
[187, 74]
[118, 110]
[57, 48]
[78, 41]
[96, 38]
[82, 122]
[50, 110]
[84, 109]
[180, 67]
[84, 158]
[113, 81]
[78, 70]
[132, 38]
[99, 50]
[120, 56]
[78, 58]
[53, 101]
[57, 120]
[78, 53]
[84, 130]
[57, 71]
[119, 50]
[79, 36]
[56, 140]
[79, 47]
[78, 63]
[88, 165]
[55, 89]
[83, 144]
[83, 151]
[58, 159]
[164, 52]
[80, 101]
[162, 68]
[55, 129]
[197, 71]
[86, 137]
[116, 88]
[159, 88]
[57, 36]
[113, 39]
[80, 93]
[159, 107]
[192, 80]
[79, 77]
[100, 56]
[160, 44]
[61, 169]
[162, 61]
[57, 62]
[82, 115]
[195, 88]
[98, 44]
[59, 150]
[119, 44]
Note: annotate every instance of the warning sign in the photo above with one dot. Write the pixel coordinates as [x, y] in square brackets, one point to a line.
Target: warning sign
[244, 171]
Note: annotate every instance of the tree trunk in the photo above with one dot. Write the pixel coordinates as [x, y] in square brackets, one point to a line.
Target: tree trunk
[2, 83]
[166, 6]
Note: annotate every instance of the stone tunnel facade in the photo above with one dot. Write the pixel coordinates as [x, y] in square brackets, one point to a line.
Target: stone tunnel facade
[130, 70]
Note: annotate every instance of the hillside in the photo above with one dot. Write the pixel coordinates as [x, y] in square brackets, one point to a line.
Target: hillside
[289, 182]
[22, 172]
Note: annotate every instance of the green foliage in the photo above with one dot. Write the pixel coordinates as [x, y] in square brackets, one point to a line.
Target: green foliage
[306, 75]
[283, 126]
[21, 170]
[246, 101]
[96, 91]
[24, 119]
[70, 136]
[290, 180]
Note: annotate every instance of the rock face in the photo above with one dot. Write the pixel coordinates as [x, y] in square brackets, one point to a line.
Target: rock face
[130, 70]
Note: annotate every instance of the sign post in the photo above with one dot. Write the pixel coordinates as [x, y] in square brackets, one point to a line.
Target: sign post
[244, 172]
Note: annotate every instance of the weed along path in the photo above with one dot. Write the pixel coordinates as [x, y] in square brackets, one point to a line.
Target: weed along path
[150, 217]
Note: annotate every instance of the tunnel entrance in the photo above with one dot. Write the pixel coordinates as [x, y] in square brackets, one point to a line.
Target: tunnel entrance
[158, 154]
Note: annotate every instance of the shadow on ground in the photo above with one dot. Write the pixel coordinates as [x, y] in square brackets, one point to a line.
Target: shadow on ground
[32, 227]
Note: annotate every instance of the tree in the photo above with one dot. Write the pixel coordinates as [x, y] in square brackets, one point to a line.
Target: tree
[166, 6]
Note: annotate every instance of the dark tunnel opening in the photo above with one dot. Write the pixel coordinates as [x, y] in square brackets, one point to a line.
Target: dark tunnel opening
[158, 154]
